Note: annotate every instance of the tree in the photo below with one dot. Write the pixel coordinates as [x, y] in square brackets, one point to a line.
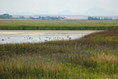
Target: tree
[5, 16]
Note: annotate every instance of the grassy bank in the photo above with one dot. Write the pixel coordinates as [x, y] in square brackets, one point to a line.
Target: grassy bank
[28, 24]
[93, 57]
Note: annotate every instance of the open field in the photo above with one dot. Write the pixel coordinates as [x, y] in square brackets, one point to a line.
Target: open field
[94, 56]
[29, 24]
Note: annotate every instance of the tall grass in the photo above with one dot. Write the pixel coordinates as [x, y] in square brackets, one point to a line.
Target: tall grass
[14, 24]
[86, 58]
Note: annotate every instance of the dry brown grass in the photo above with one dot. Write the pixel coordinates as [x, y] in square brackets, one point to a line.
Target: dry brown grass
[106, 58]
[104, 33]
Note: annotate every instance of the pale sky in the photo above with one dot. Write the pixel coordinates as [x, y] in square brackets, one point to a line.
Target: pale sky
[63, 7]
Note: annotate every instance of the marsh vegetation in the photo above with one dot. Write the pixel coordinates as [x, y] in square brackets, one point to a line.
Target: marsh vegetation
[94, 56]
[29, 24]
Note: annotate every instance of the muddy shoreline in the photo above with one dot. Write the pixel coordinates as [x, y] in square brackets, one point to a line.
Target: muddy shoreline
[30, 36]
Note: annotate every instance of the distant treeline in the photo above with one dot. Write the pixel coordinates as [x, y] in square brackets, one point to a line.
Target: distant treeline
[48, 18]
[102, 18]
[51, 18]
[6, 16]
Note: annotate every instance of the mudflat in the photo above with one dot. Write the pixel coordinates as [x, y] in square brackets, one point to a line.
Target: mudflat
[35, 32]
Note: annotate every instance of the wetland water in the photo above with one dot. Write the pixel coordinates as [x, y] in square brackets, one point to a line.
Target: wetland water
[33, 36]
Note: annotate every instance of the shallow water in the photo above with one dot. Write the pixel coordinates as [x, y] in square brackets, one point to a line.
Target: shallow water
[9, 37]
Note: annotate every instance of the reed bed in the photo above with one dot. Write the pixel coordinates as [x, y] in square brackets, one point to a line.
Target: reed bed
[94, 56]
[29, 24]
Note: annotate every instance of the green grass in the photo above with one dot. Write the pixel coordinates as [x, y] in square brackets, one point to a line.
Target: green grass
[93, 57]
[28, 24]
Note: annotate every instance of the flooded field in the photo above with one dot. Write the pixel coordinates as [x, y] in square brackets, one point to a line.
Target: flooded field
[9, 37]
